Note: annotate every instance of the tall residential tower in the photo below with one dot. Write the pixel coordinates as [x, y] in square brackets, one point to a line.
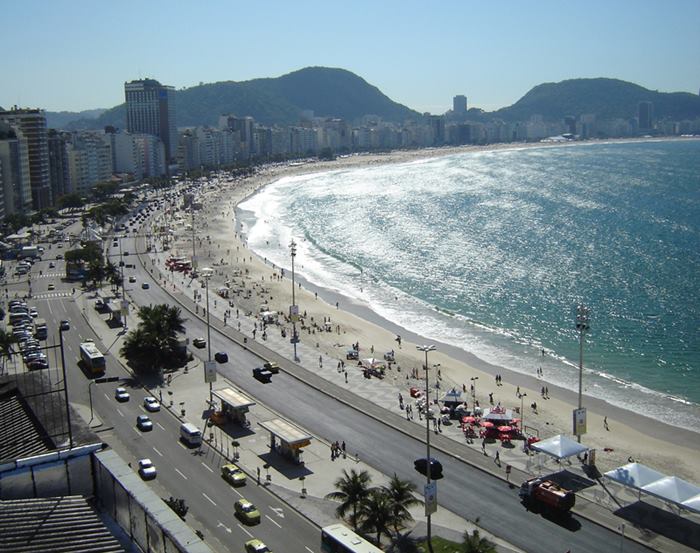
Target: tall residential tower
[150, 109]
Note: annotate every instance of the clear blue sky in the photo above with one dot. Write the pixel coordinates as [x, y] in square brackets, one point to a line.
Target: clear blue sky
[76, 54]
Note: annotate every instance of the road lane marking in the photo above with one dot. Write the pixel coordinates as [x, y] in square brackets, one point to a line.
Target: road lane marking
[160, 426]
[136, 430]
[222, 525]
[185, 477]
[246, 531]
[209, 499]
[206, 467]
[309, 550]
[118, 411]
[105, 395]
[158, 452]
[272, 521]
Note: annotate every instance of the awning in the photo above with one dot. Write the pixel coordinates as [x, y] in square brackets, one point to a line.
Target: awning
[559, 447]
[634, 475]
[234, 398]
[286, 432]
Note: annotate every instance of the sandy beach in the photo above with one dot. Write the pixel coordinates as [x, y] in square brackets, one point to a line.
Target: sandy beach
[616, 434]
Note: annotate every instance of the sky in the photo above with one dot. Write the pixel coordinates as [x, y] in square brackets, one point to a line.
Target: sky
[76, 54]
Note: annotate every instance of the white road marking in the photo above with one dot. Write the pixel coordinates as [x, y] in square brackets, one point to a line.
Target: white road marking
[181, 445]
[160, 426]
[158, 452]
[309, 550]
[206, 467]
[118, 411]
[185, 477]
[106, 395]
[222, 525]
[278, 511]
[272, 521]
[237, 492]
[136, 430]
[246, 531]
[209, 499]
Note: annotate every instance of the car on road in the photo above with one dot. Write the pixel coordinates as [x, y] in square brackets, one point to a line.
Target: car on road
[59, 256]
[64, 325]
[52, 265]
[233, 475]
[51, 286]
[199, 343]
[221, 356]
[143, 422]
[352, 354]
[120, 394]
[147, 469]
[246, 511]
[34, 312]
[271, 366]
[99, 304]
[151, 404]
[421, 465]
[145, 285]
[132, 279]
[263, 375]
[256, 546]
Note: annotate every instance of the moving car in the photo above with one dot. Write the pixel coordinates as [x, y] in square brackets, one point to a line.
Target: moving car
[145, 285]
[271, 366]
[233, 475]
[199, 343]
[64, 325]
[256, 546]
[147, 469]
[132, 278]
[421, 465]
[121, 394]
[246, 511]
[51, 286]
[221, 356]
[143, 422]
[263, 375]
[151, 404]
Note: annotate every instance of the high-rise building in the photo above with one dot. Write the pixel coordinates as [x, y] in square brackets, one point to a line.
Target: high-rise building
[459, 105]
[150, 109]
[32, 124]
[646, 115]
[14, 157]
[59, 172]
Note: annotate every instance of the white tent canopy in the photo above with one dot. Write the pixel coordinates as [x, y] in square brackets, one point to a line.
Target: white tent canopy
[634, 475]
[560, 447]
[668, 488]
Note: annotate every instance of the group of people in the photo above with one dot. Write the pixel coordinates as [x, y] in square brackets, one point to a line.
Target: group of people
[337, 450]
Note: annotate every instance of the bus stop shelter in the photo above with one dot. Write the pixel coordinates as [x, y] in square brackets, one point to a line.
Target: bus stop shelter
[234, 404]
[287, 439]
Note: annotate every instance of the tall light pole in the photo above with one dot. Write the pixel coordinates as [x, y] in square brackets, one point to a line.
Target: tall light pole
[294, 310]
[582, 320]
[65, 390]
[429, 509]
[474, 379]
[522, 411]
[206, 274]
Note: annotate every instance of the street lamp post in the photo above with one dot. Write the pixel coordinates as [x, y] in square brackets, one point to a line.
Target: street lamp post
[294, 310]
[582, 325]
[522, 411]
[65, 390]
[206, 274]
[474, 379]
[428, 512]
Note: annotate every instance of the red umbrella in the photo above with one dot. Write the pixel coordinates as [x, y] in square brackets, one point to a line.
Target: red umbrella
[505, 429]
[469, 420]
[487, 424]
[504, 437]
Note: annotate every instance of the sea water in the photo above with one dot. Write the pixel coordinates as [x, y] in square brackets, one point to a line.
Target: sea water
[491, 251]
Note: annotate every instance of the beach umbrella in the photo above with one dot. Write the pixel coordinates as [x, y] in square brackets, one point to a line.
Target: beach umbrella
[487, 424]
[505, 428]
[469, 420]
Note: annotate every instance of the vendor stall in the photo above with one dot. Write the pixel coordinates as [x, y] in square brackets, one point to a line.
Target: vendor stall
[234, 405]
[286, 439]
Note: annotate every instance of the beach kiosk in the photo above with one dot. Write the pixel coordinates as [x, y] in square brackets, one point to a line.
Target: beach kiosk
[234, 405]
[287, 439]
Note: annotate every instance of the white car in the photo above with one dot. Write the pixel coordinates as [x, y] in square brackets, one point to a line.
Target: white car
[151, 404]
[120, 394]
[33, 312]
[147, 469]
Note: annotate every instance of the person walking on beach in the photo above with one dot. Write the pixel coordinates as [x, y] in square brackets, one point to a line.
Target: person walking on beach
[605, 423]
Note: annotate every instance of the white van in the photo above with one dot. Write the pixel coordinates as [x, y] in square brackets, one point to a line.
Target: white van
[190, 434]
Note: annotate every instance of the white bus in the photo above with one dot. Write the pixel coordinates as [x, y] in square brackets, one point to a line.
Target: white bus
[92, 357]
[339, 539]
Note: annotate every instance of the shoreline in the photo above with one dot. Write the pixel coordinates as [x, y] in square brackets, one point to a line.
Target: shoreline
[648, 440]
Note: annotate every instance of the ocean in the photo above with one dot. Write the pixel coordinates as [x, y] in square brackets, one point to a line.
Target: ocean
[491, 251]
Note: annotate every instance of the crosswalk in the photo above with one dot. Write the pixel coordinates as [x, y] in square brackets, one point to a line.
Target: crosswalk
[50, 275]
[52, 295]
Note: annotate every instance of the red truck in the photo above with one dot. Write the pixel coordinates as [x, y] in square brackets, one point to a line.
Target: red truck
[548, 495]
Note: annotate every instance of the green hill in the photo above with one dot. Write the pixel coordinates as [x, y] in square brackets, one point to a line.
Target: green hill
[325, 91]
[606, 98]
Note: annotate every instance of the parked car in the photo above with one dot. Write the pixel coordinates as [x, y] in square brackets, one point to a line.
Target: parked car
[143, 422]
[246, 511]
[151, 404]
[120, 394]
[233, 475]
[147, 469]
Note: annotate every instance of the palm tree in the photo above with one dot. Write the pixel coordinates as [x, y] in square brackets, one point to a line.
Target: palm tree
[400, 493]
[6, 349]
[474, 543]
[351, 490]
[404, 543]
[113, 275]
[376, 512]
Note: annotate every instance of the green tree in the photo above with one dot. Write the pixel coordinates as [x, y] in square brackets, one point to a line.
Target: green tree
[113, 276]
[401, 498]
[153, 346]
[475, 543]
[95, 273]
[71, 201]
[376, 513]
[351, 490]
